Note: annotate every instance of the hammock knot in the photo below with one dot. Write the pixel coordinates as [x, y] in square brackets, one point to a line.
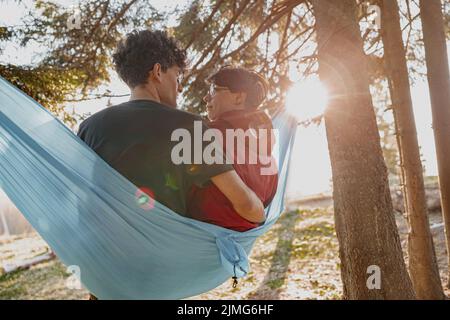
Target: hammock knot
[233, 256]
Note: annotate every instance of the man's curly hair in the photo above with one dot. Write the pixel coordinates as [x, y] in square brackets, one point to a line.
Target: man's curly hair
[136, 55]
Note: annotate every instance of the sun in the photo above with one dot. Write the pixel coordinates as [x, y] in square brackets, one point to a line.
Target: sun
[307, 99]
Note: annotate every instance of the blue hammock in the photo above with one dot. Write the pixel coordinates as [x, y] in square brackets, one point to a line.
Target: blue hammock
[88, 213]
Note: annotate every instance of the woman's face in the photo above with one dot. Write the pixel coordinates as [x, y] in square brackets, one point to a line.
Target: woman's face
[220, 100]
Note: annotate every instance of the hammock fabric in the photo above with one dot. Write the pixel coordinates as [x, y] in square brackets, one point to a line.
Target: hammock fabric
[89, 214]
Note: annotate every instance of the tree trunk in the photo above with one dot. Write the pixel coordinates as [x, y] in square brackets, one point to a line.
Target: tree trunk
[26, 264]
[6, 232]
[422, 258]
[364, 217]
[439, 84]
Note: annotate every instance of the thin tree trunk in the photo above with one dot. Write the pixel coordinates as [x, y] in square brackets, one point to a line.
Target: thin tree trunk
[439, 84]
[6, 232]
[423, 267]
[364, 216]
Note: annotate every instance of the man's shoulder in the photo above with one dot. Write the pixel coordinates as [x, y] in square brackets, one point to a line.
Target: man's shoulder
[154, 109]
[158, 114]
[171, 117]
[100, 114]
[184, 115]
[176, 118]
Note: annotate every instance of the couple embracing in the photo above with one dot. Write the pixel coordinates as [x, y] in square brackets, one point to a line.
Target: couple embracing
[135, 137]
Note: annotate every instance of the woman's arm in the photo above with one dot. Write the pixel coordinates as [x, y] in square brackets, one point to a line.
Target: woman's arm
[243, 199]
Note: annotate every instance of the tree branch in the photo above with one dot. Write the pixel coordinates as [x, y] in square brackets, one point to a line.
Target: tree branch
[207, 21]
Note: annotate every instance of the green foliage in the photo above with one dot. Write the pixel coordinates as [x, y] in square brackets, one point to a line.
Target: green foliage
[446, 11]
[77, 60]
[244, 33]
[5, 33]
[269, 37]
[47, 85]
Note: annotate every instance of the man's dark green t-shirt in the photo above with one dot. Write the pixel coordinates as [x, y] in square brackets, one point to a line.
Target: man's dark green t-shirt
[135, 139]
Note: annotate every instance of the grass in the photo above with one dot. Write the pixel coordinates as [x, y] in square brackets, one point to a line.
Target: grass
[10, 288]
[44, 281]
[296, 259]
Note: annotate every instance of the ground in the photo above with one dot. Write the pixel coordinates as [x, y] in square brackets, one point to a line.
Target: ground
[296, 259]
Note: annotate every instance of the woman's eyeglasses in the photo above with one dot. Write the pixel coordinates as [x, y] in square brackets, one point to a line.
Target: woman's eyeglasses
[214, 88]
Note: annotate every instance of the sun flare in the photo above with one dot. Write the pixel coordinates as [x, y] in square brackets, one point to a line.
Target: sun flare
[307, 99]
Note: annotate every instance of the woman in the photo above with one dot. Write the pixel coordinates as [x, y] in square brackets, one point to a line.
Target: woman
[232, 103]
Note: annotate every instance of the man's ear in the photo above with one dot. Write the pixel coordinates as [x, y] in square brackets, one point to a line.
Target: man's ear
[240, 98]
[155, 73]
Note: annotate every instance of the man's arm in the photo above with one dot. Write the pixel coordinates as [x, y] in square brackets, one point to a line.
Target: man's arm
[243, 199]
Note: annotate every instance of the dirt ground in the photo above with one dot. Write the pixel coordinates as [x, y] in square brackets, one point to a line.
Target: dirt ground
[296, 259]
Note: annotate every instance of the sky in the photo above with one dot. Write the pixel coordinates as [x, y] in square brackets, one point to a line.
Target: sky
[310, 169]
